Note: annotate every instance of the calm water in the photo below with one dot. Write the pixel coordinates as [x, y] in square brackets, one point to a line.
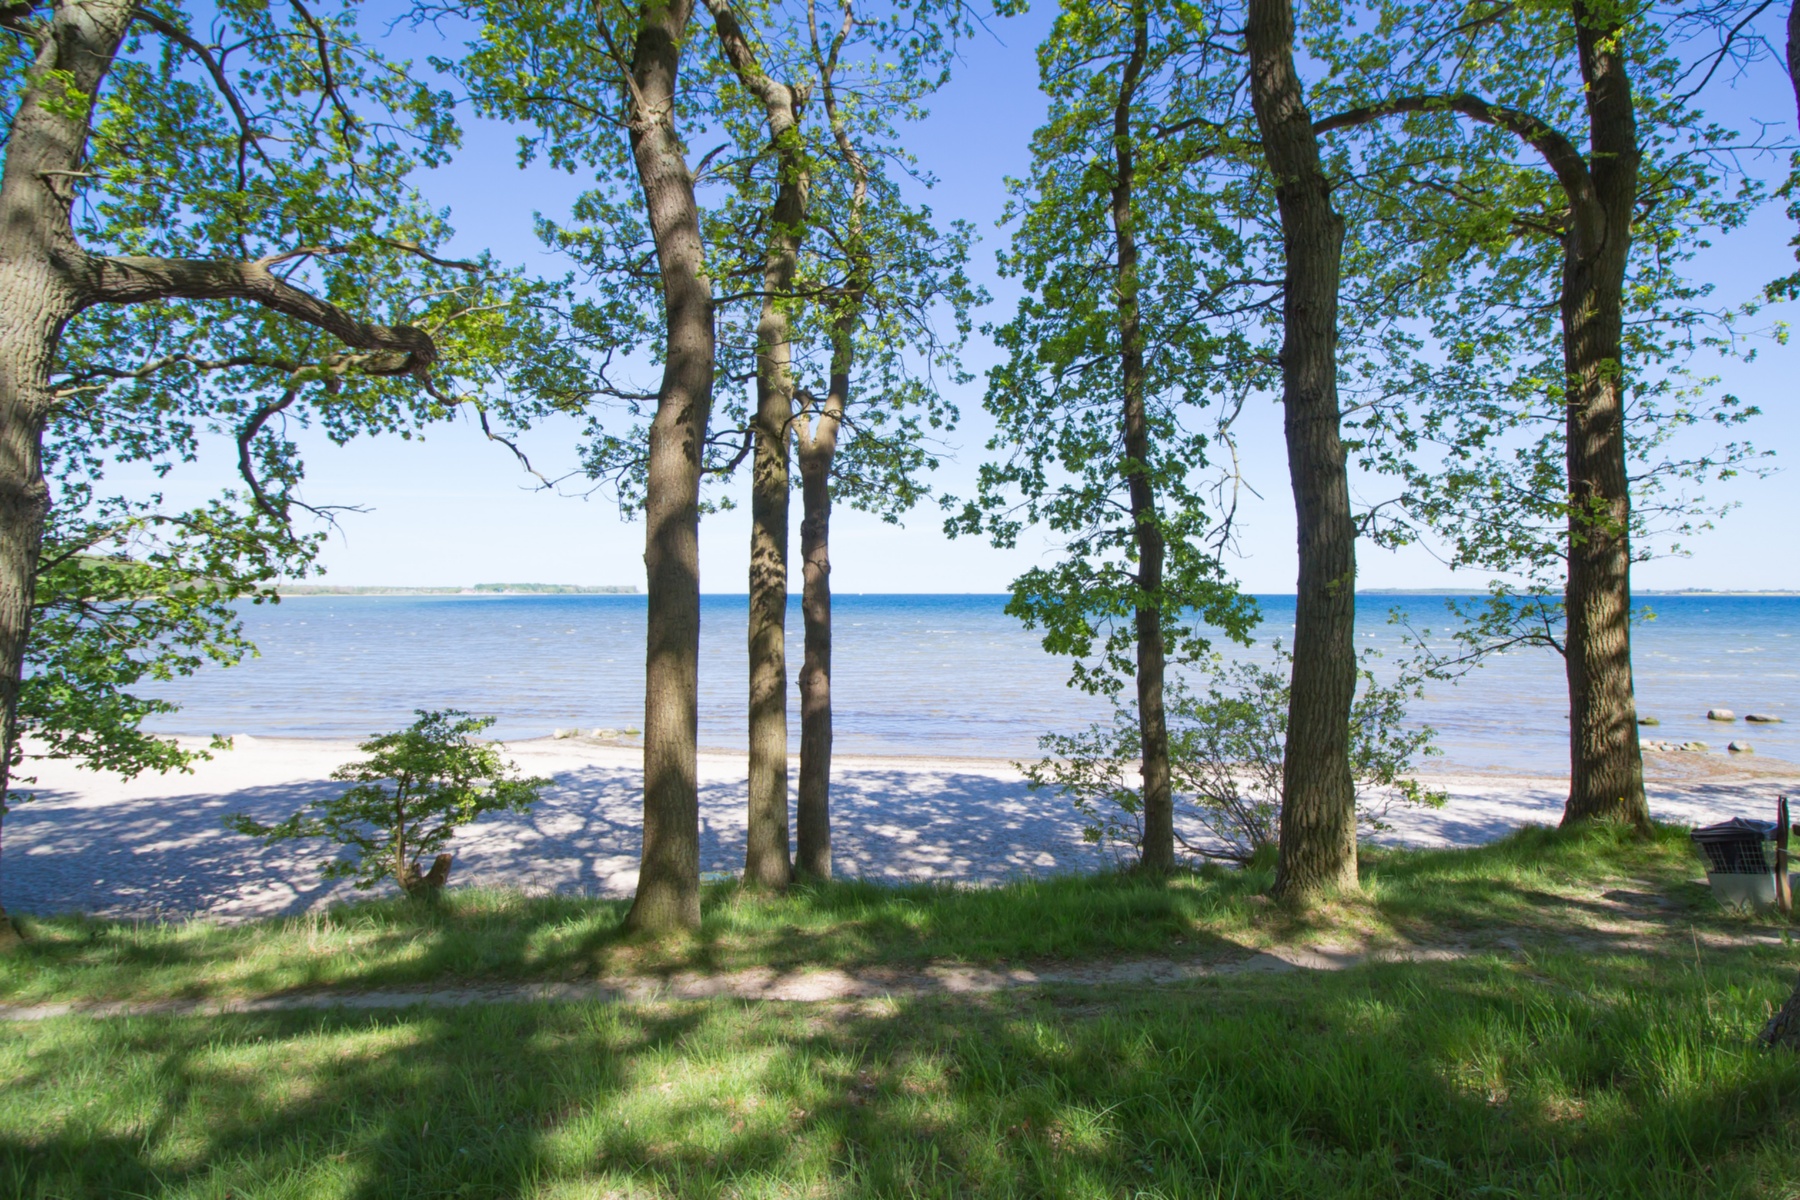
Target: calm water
[914, 674]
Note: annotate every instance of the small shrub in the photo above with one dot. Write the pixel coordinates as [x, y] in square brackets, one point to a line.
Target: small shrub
[416, 788]
[1226, 749]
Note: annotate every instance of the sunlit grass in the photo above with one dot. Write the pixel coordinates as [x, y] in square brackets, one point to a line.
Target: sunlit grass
[1554, 1075]
[1536, 878]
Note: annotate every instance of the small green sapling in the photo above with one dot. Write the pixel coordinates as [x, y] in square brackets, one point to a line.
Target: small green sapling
[415, 789]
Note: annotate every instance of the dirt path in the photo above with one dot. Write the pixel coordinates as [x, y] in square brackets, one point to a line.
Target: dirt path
[802, 985]
[825, 985]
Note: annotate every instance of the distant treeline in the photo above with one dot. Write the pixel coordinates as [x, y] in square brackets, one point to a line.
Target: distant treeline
[529, 589]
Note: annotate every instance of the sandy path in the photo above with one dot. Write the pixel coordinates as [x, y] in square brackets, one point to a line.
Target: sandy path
[154, 847]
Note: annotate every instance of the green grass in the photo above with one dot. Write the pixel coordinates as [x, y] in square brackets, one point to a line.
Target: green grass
[1536, 880]
[1556, 1075]
[1604, 1068]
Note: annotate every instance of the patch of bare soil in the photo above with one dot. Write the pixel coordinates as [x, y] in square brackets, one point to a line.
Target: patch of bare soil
[1618, 920]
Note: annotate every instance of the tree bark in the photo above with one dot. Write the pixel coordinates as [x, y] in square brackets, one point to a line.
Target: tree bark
[668, 888]
[766, 861]
[39, 293]
[46, 277]
[1783, 1029]
[817, 449]
[1793, 50]
[1606, 768]
[1318, 797]
[812, 813]
[1157, 853]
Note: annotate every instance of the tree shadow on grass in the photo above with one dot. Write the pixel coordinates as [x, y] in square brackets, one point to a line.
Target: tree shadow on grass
[1403, 1080]
[1528, 886]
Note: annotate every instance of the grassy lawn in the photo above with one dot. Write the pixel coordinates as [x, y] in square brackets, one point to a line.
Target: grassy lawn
[1550, 1075]
[1536, 881]
[1573, 1052]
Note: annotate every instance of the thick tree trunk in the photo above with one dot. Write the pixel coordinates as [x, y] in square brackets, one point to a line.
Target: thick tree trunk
[1783, 1029]
[668, 888]
[812, 814]
[40, 289]
[1318, 797]
[46, 277]
[29, 325]
[1157, 854]
[1793, 50]
[766, 847]
[1605, 764]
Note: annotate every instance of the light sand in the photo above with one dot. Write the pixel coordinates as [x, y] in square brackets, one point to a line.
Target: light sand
[155, 847]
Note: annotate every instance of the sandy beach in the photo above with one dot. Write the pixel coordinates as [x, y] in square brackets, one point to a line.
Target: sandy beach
[154, 847]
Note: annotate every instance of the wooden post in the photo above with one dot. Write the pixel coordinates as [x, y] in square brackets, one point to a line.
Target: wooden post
[1784, 897]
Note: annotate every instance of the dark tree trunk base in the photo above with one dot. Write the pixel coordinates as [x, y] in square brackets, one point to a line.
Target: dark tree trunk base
[433, 880]
[10, 937]
[1783, 1028]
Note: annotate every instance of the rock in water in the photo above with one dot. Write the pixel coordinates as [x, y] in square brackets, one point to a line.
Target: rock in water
[1720, 714]
[1741, 748]
[1648, 721]
[1762, 719]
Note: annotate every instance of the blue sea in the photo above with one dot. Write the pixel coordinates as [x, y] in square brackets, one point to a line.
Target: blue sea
[920, 674]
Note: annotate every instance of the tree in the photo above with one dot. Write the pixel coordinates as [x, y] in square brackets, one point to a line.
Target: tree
[875, 279]
[1318, 800]
[1627, 187]
[766, 860]
[179, 205]
[869, 71]
[416, 788]
[601, 89]
[1113, 366]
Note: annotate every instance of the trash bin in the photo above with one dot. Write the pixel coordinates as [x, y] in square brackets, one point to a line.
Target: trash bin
[1740, 865]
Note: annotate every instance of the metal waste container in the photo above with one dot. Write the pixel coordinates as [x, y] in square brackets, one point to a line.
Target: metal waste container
[1740, 862]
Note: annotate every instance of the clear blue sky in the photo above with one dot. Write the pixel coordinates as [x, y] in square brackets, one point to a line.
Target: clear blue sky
[457, 510]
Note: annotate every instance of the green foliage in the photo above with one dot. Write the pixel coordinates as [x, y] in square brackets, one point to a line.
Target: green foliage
[888, 269]
[1226, 749]
[415, 789]
[277, 135]
[1462, 399]
[101, 627]
[1057, 400]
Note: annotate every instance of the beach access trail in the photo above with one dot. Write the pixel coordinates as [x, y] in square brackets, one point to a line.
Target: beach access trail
[155, 847]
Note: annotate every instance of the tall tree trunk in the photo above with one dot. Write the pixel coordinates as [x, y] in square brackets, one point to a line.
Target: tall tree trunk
[40, 290]
[668, 888]
[818, 447]
[766, 846]
[1793, 50]
[1157, 854]
[29, 326]
[812, 812]
[1605, 764]
[1318, 797]
[1783, 1028]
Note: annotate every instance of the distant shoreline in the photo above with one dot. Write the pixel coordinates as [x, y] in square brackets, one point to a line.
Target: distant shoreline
[564, 589]
[1636, 592]
[480, 589]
